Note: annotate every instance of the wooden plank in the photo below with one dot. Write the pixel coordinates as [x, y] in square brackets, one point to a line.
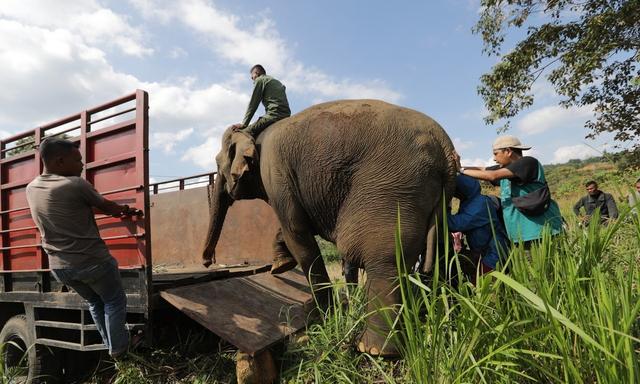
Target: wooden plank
[251, 312]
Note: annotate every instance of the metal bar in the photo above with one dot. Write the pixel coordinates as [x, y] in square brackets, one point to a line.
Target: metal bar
[20, 247]
[17, 157]
[42, 258]
[112, 115]
[70, 345]
[134, 187]
[65, 131]
[135, 235]
[19, 146]
[111, 160]
[210, 174]
[17, 229]
[127, 268]
[83, 142]
[16, 137]
[113, 103]
[14, 210]
[4, 256]
[82, 323]
[15, 184]
[112, 128]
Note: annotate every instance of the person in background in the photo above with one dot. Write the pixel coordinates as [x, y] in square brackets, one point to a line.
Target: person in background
[634, 198]
[61, 204]
[596, 200]
[477, 219]
[518, 176]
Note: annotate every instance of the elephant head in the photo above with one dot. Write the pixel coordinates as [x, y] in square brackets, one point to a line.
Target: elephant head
[238, 178]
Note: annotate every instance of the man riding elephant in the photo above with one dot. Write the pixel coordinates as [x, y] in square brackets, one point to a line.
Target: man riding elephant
[272, 94]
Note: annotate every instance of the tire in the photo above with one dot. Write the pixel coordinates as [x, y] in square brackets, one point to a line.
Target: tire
[23, 361]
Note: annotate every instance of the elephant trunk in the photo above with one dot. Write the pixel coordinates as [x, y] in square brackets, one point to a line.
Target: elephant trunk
[219, 203]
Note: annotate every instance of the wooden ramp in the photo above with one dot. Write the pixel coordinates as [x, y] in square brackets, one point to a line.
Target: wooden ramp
[251, 312]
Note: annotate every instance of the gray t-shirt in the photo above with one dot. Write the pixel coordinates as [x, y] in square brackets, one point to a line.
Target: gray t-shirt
[61, 207]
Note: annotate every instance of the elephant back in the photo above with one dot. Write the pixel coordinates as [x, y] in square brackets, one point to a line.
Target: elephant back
[343, 133]
[341, 156]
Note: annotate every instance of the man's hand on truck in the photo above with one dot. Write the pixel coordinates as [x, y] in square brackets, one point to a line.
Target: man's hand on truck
[129, 211]
[116, 210]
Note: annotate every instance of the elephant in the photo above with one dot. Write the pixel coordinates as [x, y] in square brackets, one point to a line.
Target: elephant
[348, 171]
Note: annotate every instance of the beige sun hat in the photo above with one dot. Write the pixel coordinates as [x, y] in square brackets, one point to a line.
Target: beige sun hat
[508, 141]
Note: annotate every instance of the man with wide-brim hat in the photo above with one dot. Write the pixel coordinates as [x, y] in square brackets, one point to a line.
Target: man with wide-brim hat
[520, 177]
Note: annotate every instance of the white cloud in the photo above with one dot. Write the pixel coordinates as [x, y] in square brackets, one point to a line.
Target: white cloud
[578, 151]
[262, 44]
[177, 52]
[460, 144]
[477, 162]
[43, 72]
[553, 117]
[86, 19]
[204, 154]
[543, 91]
[168, 140]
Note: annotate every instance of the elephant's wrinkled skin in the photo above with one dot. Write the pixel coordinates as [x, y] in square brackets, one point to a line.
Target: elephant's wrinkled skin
[342, 170]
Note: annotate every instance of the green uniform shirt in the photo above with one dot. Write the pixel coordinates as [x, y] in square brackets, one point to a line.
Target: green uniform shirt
[521, 227]
[271, 93]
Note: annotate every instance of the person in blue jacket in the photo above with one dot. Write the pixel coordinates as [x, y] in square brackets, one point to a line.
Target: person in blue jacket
[478, 220]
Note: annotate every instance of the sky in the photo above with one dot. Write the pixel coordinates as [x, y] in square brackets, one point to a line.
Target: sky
[193, 57]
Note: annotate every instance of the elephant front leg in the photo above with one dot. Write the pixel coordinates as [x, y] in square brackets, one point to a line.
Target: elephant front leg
[283, 261]
[382, 297]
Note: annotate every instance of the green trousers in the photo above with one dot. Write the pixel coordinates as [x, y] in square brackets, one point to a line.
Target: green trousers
[261, 124]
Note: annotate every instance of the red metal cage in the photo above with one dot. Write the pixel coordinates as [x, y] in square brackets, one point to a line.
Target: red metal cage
[114, 146]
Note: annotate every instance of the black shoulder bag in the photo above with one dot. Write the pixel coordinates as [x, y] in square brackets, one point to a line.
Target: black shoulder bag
[534, 203]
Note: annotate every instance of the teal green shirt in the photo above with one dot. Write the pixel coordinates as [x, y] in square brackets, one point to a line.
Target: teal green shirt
[271, 93]
[521, 227]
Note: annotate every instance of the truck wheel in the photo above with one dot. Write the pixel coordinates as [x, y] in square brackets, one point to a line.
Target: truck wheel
[23, 361]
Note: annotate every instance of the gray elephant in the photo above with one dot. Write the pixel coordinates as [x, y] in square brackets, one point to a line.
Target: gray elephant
[343, 170]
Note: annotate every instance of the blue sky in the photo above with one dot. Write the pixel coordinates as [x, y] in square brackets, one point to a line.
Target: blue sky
[59, 57]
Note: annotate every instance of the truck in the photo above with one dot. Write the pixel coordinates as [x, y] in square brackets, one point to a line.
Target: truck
[46, 328]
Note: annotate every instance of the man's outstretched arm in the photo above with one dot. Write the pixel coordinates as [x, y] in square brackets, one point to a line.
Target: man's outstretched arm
[256, 98]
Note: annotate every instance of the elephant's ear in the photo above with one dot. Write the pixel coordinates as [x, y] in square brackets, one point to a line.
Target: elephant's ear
[251, 155]
[245, 160]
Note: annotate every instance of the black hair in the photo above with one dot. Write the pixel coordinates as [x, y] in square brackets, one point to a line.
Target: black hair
[591, 182]
[638, 181]
[258, 68]
[517, 151]
[52, 147]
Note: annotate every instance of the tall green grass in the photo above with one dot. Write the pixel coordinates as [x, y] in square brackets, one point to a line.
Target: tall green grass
[568, 311]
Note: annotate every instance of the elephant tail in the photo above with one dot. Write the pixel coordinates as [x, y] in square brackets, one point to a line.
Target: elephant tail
[431, 250]
[437, 218]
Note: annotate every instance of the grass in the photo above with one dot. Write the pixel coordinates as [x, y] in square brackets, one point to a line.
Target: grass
[568, 312]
